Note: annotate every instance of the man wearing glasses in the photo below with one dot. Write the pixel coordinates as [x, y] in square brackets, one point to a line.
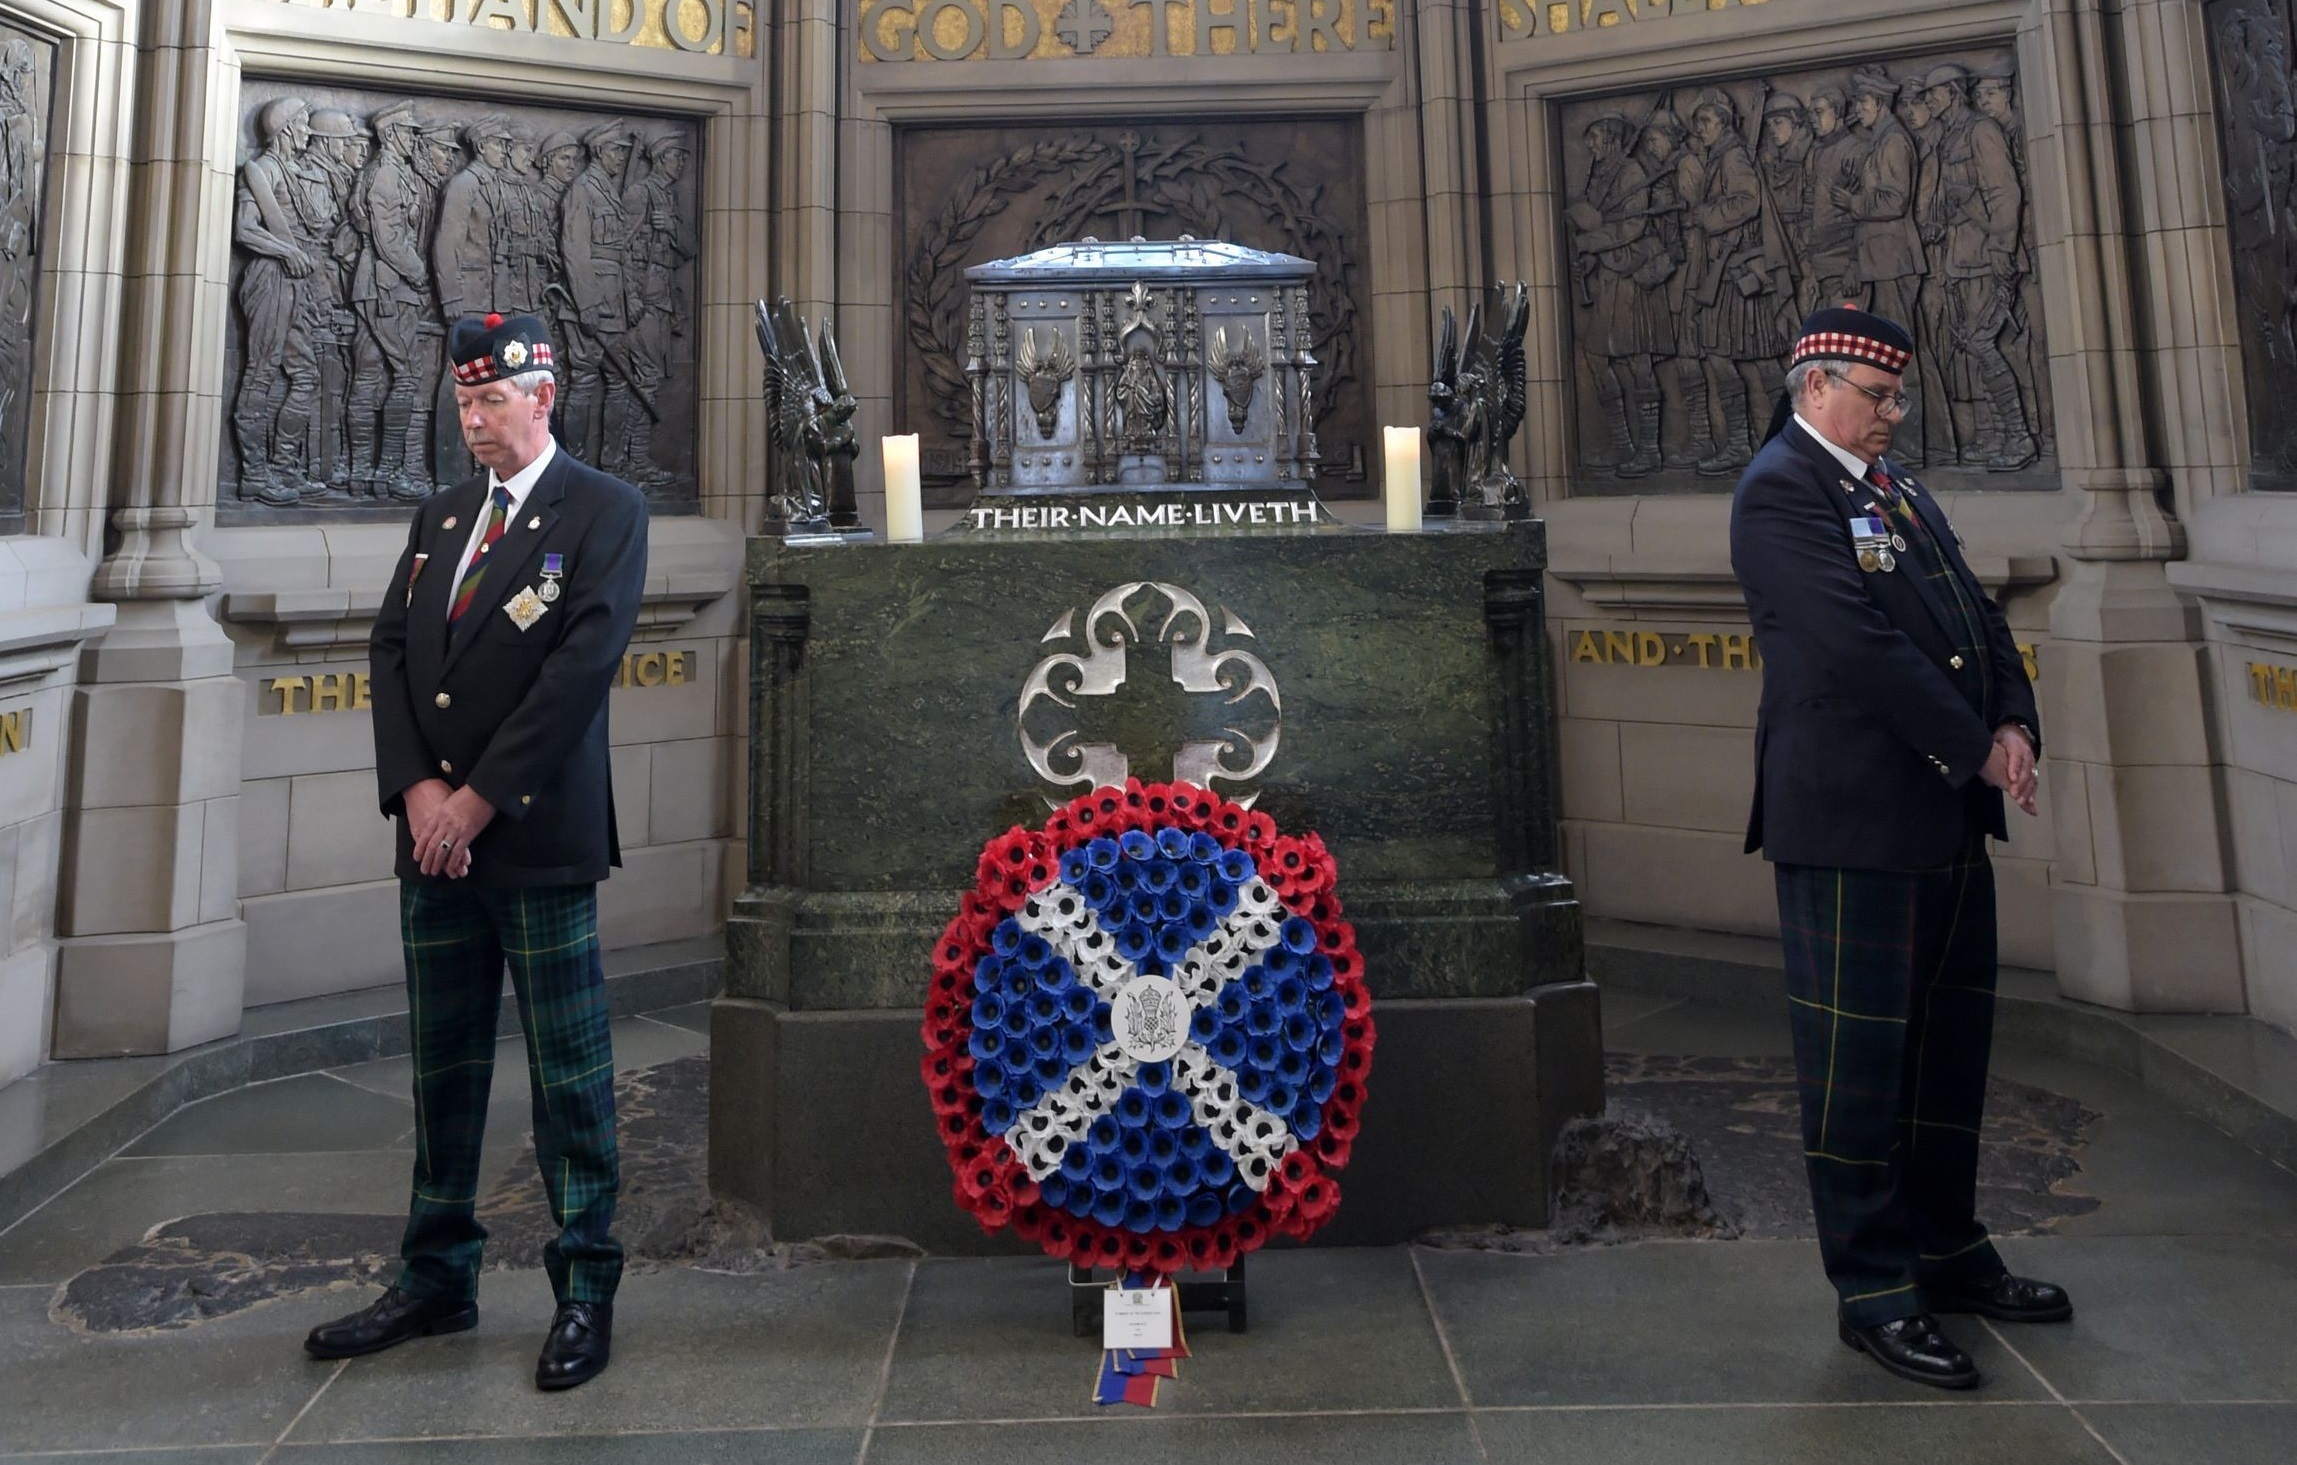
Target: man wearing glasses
[1895, 716]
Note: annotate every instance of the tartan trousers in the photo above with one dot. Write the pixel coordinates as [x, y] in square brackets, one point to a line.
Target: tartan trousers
[1890, 988]
[458, 937]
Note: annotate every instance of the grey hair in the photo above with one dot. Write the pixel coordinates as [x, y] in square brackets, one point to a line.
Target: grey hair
[529, 381]
[1798, 380]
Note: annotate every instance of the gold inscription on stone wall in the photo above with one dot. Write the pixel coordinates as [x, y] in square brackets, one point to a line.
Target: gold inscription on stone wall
[2273, 686]
[15, 730]
[1706, 650]
[1052, 30]
[353, 691]
[325, 692]
[655, 669]
[705, 27]
[1521, 19]
[1724, 651]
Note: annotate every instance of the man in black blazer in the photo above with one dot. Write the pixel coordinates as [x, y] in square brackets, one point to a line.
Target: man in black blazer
[493, 650]
[1896, 714]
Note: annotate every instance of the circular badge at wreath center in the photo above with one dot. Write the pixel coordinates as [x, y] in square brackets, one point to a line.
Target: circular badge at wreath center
[1149, 1019]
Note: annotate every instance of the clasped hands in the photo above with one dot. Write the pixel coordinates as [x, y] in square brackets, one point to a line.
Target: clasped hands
[2011, 766]
[444, 820]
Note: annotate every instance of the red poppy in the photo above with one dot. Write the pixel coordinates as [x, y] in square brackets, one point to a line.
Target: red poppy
[992, 1210]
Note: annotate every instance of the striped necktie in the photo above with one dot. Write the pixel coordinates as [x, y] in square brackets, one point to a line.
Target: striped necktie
[498, 519]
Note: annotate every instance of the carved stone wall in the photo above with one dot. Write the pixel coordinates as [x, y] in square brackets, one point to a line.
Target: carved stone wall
[27, 75]
[2251, 47]
[969, 194]
[364, 222]
[1700, 223]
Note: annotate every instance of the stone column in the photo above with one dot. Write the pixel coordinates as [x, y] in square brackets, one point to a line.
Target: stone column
[746, 1023]
[152, 947]
[2142, 917]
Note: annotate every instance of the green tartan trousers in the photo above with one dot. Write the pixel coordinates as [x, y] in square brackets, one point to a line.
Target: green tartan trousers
[458, 937]
[1890, 989]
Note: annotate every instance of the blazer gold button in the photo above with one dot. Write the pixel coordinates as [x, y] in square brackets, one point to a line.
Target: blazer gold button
[1952, 661]
[526, 798]
[445, 766]
[446, 701]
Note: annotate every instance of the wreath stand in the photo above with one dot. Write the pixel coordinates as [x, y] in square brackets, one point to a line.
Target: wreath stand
[1225, 1295]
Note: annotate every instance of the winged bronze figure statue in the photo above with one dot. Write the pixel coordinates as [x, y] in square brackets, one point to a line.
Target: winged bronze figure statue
[1477, 401]
[1456, 415]
[809, 417]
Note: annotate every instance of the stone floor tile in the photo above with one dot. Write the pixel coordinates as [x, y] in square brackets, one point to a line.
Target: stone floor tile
[723, 1447]
[119, 1201]
[1135, 1438]
[641, 1042]
[2159, 1170]
[199, 1455]
[1740, 1322]
[990, 1338]
[236, 1381]
[638, 1043]
[302, 1115]
[694, 1017]
[1621, 1009]
[692, 1350]
[2198, 1434]
[2173, 1318]
[53, 1100]
[1707, 1028]
[1909, 1434]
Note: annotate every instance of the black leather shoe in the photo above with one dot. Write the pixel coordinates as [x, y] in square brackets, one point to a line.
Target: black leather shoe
[2006, 1299]
[580, 1343]
[1914, 1348]
[388, 1321]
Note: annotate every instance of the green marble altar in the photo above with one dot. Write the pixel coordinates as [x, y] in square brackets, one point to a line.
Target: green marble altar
[892, 722]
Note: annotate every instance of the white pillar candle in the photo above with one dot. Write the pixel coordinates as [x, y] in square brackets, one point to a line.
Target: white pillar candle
[1403, 481]
[904, 490]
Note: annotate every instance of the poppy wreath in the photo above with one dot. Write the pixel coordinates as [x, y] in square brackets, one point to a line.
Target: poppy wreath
[1221, 1112]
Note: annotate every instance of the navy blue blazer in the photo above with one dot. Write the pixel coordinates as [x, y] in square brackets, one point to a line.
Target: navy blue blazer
[1870, 737]
[517, 713]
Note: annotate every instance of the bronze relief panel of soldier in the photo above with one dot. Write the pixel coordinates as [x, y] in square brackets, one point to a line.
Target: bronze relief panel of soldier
[27, 76]
[2253, 50]
[365, 222]
[1702, 221]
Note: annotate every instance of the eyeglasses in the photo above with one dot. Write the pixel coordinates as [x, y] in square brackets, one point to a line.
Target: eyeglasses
[1883, 401]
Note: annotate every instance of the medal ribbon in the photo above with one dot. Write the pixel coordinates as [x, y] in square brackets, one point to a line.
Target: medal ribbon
[498, 519]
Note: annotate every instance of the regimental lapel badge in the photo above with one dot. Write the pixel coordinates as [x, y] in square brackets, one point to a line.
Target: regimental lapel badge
[450, 522]
[1850, 487]
[535, 522]
[553, 566]
[525, 608]
[415, 574]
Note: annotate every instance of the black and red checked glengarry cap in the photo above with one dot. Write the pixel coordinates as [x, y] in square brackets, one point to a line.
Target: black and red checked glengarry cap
[1846, 333]
[487, 348]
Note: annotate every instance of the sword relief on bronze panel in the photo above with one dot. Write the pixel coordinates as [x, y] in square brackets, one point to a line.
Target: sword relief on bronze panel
[1703, 221]
[364, 222]
[967, 195]
[2257, 130]
[27, 73]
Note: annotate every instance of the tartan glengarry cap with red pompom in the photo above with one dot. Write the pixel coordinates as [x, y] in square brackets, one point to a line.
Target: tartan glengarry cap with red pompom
[487, 348]
[1846, 333]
